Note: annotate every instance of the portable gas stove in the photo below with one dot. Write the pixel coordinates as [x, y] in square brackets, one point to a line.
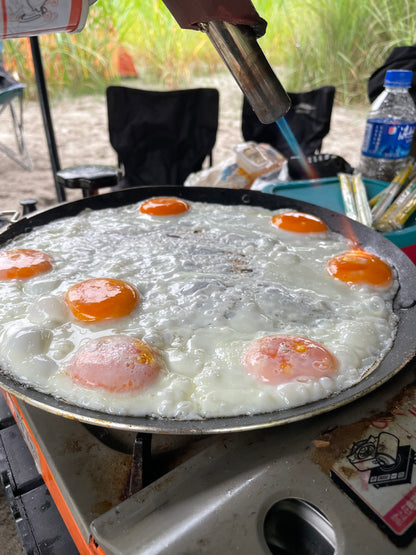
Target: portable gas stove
[340, 483]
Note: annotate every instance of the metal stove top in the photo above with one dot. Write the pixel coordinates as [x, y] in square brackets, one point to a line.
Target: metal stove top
[343, 483]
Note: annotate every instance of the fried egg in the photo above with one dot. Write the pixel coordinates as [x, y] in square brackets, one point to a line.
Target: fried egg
[114, 363]
[23, 263]
[94, 300]
[360, 267]
[190, 310]
[299, 222]
[279, 359]
[164, 206]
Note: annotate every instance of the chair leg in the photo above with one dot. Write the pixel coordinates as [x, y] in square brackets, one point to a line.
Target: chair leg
[18, 126]
[23, 159]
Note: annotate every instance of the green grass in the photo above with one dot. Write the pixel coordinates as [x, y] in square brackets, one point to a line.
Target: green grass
[337, 42]
[309, 42]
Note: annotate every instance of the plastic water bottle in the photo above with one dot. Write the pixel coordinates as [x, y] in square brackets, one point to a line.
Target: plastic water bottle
[389, 129]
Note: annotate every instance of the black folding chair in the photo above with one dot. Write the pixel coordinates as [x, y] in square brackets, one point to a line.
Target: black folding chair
[309, 119]
[160, 137]
[401, 57]
[11, 92]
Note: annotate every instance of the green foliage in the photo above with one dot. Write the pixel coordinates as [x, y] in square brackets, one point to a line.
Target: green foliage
[337, 42]
[162, 51]
[309, 42]
[76, 63]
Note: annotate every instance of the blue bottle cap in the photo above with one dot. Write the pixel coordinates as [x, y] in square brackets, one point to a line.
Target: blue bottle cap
[398, 78]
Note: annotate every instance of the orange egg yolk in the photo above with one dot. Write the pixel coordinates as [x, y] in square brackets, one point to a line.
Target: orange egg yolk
[100, 299]
[299, 222]
[360, 267]
[24, 263]
[116, 363]
[164, 206]
[277, 359]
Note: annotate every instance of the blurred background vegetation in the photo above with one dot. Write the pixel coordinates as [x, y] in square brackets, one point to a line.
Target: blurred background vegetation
[309, 42]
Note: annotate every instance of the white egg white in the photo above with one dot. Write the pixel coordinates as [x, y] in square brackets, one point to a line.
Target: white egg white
[211, 281]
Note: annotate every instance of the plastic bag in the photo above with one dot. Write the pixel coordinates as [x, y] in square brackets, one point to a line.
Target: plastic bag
[249, 160]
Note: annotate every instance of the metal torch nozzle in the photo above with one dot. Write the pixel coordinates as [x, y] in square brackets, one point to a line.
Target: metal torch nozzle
[238, 47]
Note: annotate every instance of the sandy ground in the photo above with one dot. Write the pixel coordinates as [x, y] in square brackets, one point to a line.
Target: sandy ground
[81, 134]
[82, 137]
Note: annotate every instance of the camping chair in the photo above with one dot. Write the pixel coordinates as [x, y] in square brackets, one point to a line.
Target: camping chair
[160, 137]
[401, 57]
[11, 91]
[309, 118]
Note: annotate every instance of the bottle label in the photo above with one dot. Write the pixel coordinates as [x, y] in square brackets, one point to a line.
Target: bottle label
[387, 139]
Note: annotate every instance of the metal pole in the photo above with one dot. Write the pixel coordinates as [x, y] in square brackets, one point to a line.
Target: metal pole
[46, 115]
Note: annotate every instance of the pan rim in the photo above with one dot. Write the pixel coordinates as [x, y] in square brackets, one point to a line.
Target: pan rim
[390, 365]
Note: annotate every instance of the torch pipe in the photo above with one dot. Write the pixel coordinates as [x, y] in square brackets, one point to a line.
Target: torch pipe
[238, 47]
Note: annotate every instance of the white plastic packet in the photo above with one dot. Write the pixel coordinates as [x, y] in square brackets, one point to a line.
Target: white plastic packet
[249, 160]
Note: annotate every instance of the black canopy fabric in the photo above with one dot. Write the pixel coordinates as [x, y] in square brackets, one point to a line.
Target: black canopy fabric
[309, 119]
[401, 57]
[161, 136]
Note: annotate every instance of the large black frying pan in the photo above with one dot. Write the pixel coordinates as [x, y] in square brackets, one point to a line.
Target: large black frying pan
[403, 350]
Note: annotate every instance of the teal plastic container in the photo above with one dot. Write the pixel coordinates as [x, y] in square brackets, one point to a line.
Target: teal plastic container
[326, 192]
